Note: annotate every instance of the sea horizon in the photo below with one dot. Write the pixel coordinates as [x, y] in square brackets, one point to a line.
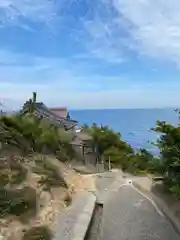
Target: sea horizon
[133, 124]
[121, 108]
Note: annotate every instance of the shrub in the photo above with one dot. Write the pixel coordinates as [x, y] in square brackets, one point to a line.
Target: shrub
[51, 176]
[169, 146]
[61, 155]
[175, 190]
[15, 173]
[29, 133]
[4, 177]
[38, 233]
[17, 202]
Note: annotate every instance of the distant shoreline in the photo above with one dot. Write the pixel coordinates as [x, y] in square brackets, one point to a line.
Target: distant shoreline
[110, 109]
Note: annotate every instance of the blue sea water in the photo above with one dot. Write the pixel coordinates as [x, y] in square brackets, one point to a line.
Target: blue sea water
[133, 124]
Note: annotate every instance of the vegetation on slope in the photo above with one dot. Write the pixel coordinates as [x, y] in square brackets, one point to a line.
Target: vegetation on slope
[38, 233]
[169, 146]
[108, 143]
[24, 140]
[30, 134]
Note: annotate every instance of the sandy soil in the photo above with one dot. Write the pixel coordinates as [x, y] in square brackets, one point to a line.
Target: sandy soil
[50, 204]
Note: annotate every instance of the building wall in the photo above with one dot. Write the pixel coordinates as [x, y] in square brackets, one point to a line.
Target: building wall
[61, 112]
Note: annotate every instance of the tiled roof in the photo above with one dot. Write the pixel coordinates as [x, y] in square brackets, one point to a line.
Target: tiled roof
[43, 111]
[59, 108]
[83, 136]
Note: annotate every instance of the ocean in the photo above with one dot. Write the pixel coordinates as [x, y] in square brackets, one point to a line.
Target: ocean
[133, 124]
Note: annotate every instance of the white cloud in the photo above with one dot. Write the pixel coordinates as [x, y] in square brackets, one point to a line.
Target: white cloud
[110, 27]
[54, 79]
[146, 26]
[150, 27]
[13, 96]
[12, 12]
[154, 26]
[101, 40]
[60, 83]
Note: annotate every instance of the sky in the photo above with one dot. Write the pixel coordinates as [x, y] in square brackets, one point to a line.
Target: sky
[90, 53]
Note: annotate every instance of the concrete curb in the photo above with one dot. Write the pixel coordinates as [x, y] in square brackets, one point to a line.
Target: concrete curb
[74, 222]
[162, 206]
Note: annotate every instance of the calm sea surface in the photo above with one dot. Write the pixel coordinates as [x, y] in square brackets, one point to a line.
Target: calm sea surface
[134, 125]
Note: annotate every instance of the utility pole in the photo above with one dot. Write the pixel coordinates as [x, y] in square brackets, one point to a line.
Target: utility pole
[109, 163]
[102, 164]
[1, 109]
[97, 160]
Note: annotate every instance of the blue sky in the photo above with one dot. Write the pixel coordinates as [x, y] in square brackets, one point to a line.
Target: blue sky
[90, 53]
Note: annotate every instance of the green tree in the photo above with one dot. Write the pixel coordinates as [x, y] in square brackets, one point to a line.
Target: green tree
[169, 146]
[168, 143]
[107, 142]
[29, 133]
[144, 159]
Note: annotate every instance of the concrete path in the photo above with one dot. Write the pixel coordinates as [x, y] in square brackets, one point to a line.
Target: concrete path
[131, 215]
[74, 221]
[104, 180]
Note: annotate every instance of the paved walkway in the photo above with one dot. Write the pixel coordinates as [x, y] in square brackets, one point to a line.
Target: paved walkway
[72, 222]
[130, 215]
